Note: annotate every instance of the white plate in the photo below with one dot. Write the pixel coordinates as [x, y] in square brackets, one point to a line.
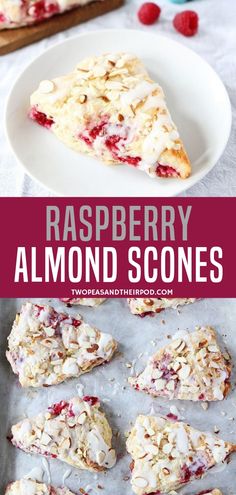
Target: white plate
[195, 95]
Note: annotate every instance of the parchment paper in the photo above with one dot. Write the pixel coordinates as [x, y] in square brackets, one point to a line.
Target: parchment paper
[137, 337]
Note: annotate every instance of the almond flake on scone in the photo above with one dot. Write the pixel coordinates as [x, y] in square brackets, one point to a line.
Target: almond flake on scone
[75, 431]
[110, 108]
[47, 347]
[31, 487]
[17, 13]
[143, 307]
[75, 301]
[189, 368]
[166, 454]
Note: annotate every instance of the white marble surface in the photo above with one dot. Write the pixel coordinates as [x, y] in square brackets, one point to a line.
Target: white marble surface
[216, 42]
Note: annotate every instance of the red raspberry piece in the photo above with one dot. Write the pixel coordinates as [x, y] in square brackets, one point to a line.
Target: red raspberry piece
[56, 409]
[90, 399]
[186, 22]
[148, 13]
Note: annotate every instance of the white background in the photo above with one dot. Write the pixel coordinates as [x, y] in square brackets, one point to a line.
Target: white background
[216, 42]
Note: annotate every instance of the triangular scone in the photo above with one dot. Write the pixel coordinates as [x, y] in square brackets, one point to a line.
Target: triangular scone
[76, 432]
[168, 454]
[46, 347]
[30, 487]
[75, 301]
[189, 368]
[143, 307]
[16, 13]
[108, 107]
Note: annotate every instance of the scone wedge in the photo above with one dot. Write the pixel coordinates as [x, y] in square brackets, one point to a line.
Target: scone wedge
[31, 487]
[167, 455]
[17, 13]
[47, 347]
[144, 307]
[189, 368]
[109, 108]
[75, 431]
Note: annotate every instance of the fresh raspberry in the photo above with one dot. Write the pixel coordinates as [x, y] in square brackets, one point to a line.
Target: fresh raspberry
[186, 22]
[148, 13]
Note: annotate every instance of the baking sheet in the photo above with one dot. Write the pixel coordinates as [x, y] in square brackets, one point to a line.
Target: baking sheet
[137, 337]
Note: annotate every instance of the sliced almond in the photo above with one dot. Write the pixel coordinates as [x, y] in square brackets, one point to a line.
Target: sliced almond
[157, 373]
[184, 372]
[140, 482]
[160, 384]
[100, 457]
[82, 418]
[46, 86]
[213, 348]
[170, 385]
[167, 448]
[83, 98]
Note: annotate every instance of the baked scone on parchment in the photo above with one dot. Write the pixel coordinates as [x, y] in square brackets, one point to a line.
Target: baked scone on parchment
[189, 368]
[17, 13]
[47, 347]
[84, 301]
[167, 455]
[108, 107]
[143, 307]
[75, 431]
[31, 487]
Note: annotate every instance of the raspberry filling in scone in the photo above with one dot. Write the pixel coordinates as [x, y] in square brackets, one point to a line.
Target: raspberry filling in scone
[19, 13]
[166, 454]
[76, 432]
[144, 307]
[47, 347]
[190, 368]
[109, 108]
[30, 487]
[73, 301]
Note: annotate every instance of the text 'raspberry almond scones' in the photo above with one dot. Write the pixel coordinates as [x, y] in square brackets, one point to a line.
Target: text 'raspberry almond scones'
[46, 347]
[109, 108]
[30, 487]
[143, 307]
[166, 454]
[76, 432]
[18, 13]
[75, 301]
[190, 368]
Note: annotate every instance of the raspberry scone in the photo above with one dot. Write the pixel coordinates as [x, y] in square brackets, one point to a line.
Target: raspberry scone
[168, 454]
[46, 347]
[109, 108]
[143, 307]
[190, 368]
[19, 13]
[30, 487]
[76, 432]
[75, 301]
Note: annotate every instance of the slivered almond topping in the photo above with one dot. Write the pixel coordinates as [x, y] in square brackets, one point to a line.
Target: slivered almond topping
[213, 348]
[184, 372]
[46, 87]
[140, 482]
[83, 98]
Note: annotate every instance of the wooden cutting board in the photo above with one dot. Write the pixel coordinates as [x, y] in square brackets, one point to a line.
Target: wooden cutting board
[12, 39]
